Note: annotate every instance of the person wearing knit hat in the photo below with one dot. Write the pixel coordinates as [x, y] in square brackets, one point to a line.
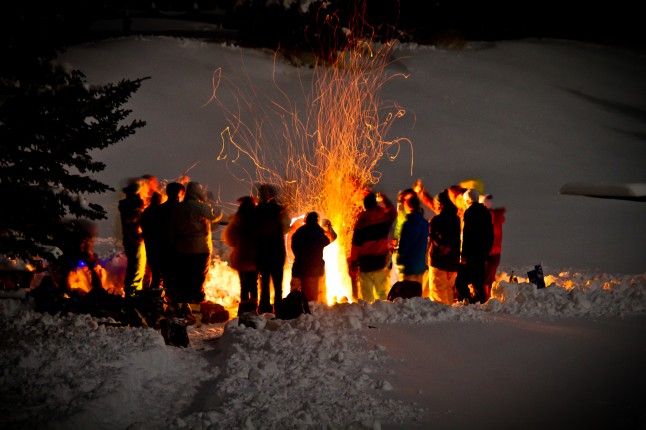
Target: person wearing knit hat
[477, 241]
[475, 183]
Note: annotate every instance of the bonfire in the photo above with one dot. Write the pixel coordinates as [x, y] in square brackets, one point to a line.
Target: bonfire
[323, 157]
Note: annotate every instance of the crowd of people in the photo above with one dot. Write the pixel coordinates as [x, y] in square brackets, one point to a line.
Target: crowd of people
[452, 254]
[256, 235]
[167, 240]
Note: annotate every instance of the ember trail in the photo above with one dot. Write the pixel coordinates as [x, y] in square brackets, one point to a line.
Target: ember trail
[322, 154]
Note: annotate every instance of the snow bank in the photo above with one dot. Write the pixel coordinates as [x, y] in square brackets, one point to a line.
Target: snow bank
[317, 369]
[313, 371]
[635, 191]
[74, 371]
[64, 371]
[572, 294]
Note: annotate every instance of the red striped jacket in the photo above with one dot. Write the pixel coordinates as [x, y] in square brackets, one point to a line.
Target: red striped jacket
[371, 238]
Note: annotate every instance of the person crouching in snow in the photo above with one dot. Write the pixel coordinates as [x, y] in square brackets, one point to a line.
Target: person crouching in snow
[309, 267]
[190, 232]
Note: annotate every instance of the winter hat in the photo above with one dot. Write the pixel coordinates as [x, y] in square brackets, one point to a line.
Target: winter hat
[471, 196]
[370, 201]
[473, 183]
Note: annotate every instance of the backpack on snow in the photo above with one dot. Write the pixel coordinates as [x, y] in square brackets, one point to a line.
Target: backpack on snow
[405, 290]
[174, 332]
[292, 306]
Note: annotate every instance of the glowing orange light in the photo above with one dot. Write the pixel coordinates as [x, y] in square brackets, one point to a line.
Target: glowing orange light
[321, 153]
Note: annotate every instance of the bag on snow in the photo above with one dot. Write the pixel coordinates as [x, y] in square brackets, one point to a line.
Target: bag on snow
[292, 306]
[536, 276]
[174, 332]
[405, 290]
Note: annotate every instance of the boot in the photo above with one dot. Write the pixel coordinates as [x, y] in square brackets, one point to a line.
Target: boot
[185, 312]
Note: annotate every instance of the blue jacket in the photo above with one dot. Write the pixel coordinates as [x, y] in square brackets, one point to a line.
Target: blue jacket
[413, 244]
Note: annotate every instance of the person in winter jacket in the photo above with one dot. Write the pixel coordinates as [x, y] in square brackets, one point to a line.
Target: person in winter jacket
[190, 234]
[444, 252]
[156, 230]
[131, 207]
[309, 267]
[401, 214]
[493, 260]
[370, 253]
[413, 242]
[240, 235]
[477, 240]
[273, 226]
[152, 279]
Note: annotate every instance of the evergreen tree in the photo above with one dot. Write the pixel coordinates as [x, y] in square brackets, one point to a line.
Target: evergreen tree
[51, 120]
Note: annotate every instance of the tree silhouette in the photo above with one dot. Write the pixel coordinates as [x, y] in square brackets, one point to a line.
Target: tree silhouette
[51, 120]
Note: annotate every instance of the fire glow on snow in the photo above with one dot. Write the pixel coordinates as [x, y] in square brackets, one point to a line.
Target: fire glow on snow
[316, 371]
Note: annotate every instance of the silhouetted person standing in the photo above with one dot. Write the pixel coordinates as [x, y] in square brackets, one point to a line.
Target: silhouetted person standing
[370, 254]
[190, 234]
[477, 240]
[240, 235]
[273, 225]
[156, 228]
[444, 250]
[131, 207]
[149, 232]
[493, 260]
[309, 267]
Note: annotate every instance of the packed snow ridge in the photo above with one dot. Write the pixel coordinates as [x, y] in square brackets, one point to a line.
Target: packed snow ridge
[63, 371]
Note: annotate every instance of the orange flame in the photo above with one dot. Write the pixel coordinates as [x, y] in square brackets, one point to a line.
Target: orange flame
[323, 153]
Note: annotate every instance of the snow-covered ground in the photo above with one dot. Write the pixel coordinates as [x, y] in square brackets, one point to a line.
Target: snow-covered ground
[526, 117]
[570, 355]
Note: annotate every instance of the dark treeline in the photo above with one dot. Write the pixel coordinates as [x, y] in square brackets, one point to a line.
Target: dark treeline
[269, 24]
